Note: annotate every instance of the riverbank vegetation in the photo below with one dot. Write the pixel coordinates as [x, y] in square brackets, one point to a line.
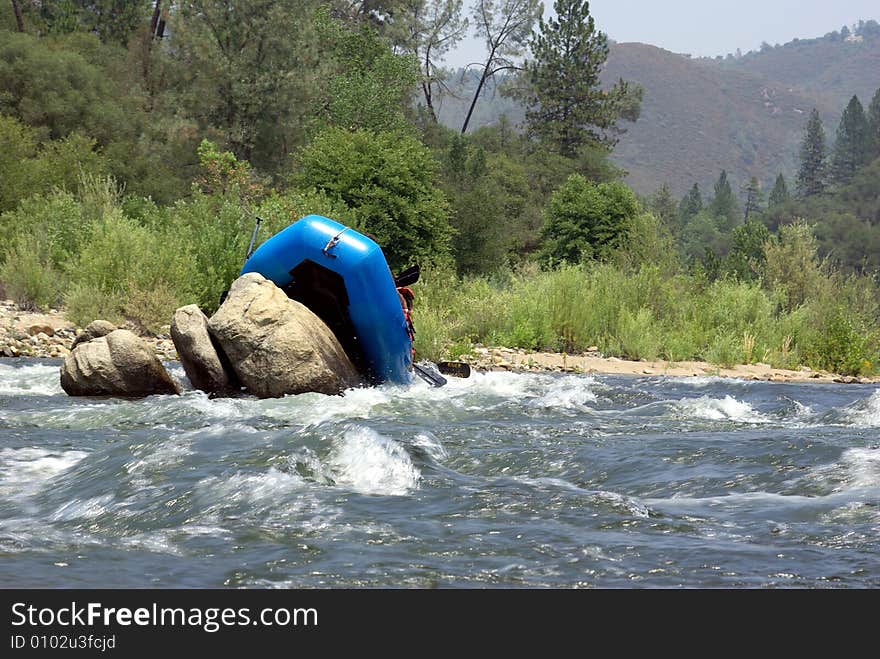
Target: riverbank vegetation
[135, 160]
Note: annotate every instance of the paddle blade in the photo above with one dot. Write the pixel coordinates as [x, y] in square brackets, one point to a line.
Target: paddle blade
[408, 277]
[429, 375]
[455, 369]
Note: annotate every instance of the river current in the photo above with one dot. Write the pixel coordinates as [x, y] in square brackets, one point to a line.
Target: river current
[498, 480]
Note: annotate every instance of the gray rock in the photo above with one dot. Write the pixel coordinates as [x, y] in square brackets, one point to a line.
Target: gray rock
[93, 330]
[116, 364]
[203, 360]
[277, 346]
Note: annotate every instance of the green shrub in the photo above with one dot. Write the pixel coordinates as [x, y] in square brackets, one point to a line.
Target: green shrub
[29, 277]
[389, 183]
[129, 271]
[637, 335]
[85, 303]
[585, 220]
[844, 345]
[725, 350]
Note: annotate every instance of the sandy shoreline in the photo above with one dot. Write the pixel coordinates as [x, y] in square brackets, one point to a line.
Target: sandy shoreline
[507, 359]
[50, 334]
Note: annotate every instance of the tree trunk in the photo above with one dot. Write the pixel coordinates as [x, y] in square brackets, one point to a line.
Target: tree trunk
[154, 21]
[148, 41]
[426, 88]
[485, 75]
[18, 19]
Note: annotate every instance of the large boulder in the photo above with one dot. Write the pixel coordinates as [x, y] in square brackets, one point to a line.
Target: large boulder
[276, 345]
[203, 360]
[116, 364]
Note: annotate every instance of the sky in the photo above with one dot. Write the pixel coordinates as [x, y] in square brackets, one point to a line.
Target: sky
[708, 27]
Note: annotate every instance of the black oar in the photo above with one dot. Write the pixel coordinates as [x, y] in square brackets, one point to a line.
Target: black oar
[429, 375]
[408, 277]
[455, 369]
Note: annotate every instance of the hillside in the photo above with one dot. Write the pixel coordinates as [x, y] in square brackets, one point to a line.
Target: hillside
[743, 114]
[698, 119]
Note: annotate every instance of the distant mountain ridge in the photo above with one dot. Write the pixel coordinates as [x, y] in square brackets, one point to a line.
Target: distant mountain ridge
[743, 114]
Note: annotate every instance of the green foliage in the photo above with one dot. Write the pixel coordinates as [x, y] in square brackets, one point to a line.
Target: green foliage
[17, 171]
[488, 196]
[210, 233]
[127, 271]
[29, 277]
[844, 345]
[852, 143]
[388, 183]
[723, 206]
[370, 85]
[747, 254]
[779, 194]
[701, 238]
[792, 266]
[663, 206]
[59, 90]
[567, 107]
[56, 222]
[873, 128]
[691, 204]
[811, 177]
[754, 198]
[27, 169]
[586, 220]
[251, 71]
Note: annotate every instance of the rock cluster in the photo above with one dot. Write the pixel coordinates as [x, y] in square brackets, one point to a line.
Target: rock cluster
[259, 341]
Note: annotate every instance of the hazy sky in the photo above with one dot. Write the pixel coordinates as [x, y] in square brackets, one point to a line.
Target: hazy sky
[709, 27]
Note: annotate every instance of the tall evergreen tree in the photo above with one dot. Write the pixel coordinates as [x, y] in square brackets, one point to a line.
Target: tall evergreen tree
[754, 198]
[873, 140]
[691, 204]
[811, 174]
[779, 193]
[566, 107]
[850, 147]
[663, 206]
[723, 206]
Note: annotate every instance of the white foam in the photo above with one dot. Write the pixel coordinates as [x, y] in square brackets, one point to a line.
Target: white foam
[567, 393]
[862, 466]
[719, 409]
[431, 446]
[30, 380]
[262, 488]
[24, 471]
[865, 413]
[371, 463]
[170, 453]
[79, 509]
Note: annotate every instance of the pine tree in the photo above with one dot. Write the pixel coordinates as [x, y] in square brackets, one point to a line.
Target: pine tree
[811, 174]
[566, 106]
[850, 150]
[691, 204]
[754, 198]
[723, 205]
[664, 208]
[873, 140]
[779, 193]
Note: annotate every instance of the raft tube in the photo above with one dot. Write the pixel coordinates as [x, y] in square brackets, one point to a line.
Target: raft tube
[343, 277]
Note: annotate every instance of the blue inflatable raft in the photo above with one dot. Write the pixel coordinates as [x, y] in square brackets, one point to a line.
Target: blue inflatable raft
[343, 277]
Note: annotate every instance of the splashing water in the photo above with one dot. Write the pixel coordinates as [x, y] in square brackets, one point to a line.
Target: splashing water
[499, 479]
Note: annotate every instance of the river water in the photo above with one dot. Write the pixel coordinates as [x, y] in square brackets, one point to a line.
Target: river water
[499, 480]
